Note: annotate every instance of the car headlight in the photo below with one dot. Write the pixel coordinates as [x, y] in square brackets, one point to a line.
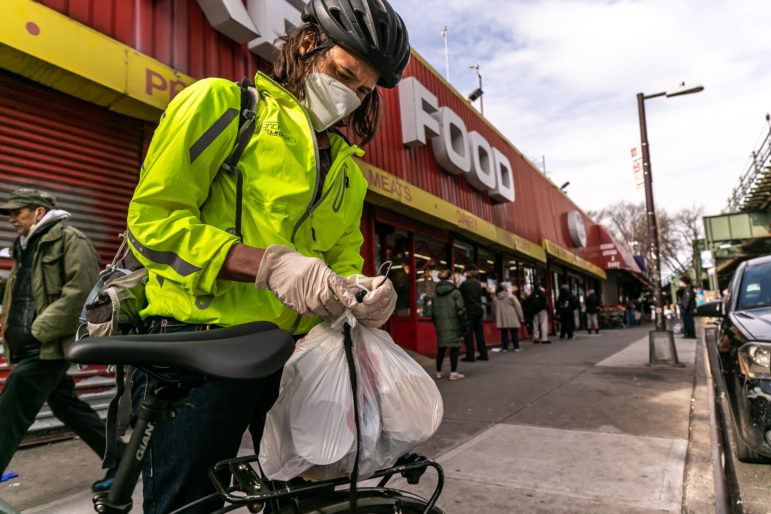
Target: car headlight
[755, 360]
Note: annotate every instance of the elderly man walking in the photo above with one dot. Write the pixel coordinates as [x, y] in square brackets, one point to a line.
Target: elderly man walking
[54, 268]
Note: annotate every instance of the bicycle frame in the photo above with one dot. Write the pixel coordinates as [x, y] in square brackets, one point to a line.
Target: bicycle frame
[164, 399]
[161, 402]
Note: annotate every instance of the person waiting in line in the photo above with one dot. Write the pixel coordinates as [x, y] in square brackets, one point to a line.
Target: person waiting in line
[508, 316]
[566, 306]
[527, 310]
[54, 268]
[472, 291]
[540, 307]
[451, 321]
[303, 196]
[592, 303]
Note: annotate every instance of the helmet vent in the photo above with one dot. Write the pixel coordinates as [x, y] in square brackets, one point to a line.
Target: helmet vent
[365, 28]
[340, 18]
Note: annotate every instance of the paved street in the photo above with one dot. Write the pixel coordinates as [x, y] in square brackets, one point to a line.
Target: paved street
[581, 426]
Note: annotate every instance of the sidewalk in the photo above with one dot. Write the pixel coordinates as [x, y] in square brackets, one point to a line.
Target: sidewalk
[582, 426]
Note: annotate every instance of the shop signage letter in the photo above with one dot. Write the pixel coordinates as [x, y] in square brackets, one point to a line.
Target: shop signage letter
[416, 105]
[504, 185]
[451, 148]
[259, 23]
[455, 149]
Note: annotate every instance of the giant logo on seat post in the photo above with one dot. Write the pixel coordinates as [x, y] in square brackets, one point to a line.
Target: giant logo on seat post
[455, 149]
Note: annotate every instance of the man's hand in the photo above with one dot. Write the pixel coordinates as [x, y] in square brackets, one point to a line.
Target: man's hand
[378, 303]
[304, 284]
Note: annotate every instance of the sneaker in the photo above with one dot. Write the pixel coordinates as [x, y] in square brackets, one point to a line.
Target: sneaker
[105, 483]
[498, 350]
[536, 341]
[596, 331]
[502, 349]
[516, 349]
[457, 376]
[546, 342]
[439, 375]
[572, 339]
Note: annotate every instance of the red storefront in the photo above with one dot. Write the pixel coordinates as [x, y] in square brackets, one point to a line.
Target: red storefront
[89, 79]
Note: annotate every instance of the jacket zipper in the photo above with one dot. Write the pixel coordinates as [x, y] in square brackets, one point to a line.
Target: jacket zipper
[309, 208]
[311, 205]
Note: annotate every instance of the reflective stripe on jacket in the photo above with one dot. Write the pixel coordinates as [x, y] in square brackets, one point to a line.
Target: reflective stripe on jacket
[182, 215]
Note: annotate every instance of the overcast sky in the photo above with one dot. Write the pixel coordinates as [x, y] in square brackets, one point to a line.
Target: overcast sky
[561, 77]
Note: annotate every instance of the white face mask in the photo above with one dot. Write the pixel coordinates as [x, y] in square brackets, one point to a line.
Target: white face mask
[328, 100]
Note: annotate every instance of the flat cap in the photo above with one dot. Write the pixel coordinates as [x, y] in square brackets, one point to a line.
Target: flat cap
[27, 196]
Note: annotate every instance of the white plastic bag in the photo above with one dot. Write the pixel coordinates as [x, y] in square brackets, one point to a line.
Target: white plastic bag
[310, 429]
[411, 406]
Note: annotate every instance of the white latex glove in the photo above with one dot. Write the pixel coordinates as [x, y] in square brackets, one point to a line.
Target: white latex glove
[379, 302]
[304, 284]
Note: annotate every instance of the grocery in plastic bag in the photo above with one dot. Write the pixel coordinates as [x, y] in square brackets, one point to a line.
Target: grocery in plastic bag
[311, 431]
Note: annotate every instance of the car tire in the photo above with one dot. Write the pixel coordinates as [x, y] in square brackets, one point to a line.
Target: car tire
[746, 454]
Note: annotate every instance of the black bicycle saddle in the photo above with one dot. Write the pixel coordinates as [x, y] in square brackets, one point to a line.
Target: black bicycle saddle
[248, 351]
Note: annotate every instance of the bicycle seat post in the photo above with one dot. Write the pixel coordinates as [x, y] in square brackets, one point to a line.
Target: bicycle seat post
[161, 403]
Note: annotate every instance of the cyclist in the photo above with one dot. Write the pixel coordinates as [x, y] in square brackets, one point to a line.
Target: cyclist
[302, 202]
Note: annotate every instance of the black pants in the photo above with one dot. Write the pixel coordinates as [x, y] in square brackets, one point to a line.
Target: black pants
[477, 329]
[32, 382]
[514, 338]
[454, 354]
[567, 325]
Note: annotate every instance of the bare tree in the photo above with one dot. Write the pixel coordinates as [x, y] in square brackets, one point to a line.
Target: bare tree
[678, 233]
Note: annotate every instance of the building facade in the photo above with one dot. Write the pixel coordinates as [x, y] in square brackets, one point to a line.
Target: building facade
[84, 83]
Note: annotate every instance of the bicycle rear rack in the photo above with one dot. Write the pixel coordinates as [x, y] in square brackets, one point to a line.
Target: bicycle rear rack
[251, 490]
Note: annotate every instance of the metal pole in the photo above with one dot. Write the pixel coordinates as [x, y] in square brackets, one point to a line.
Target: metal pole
[446, 53]
[653, 231]
[481, 105]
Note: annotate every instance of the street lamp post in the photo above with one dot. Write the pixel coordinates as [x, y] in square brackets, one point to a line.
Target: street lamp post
[477, 93]
[653, 228]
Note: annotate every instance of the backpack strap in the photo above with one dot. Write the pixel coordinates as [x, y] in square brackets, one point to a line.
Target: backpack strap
[246, 124]
[117, 410]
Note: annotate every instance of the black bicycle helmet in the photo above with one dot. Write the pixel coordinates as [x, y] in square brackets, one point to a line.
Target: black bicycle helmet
[369, 28]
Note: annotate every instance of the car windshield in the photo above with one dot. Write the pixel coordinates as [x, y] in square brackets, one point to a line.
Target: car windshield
[756, 287]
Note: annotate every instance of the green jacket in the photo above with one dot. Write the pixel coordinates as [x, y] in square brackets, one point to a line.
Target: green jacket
[449, 315]
[64, 269]
[182, 214]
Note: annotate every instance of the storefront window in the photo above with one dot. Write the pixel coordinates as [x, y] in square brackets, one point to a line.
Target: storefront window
[462, 255]
[510, 273]
[396, 250]
[488, 275]
[528, 278]
[430, 257]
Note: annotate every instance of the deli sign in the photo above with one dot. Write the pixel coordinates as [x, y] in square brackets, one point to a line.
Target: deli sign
[455, 149]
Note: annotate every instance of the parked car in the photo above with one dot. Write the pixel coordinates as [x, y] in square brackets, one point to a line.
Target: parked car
[744, 349]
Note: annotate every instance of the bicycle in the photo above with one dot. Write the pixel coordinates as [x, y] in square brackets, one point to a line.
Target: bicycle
[182, 361]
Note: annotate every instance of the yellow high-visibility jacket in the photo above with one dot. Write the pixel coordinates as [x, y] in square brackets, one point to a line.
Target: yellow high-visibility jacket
[182, 215]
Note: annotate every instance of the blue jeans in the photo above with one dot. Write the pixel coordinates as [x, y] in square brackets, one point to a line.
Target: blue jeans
[185, 447]
[688, 326]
